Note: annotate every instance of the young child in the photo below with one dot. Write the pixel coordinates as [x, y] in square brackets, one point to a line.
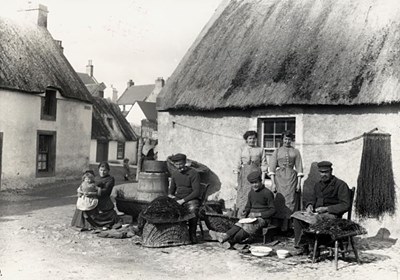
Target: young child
[87, 192]
[126, 168]
[260, 205]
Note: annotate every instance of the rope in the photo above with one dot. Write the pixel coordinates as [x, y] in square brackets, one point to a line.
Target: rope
[315, 144]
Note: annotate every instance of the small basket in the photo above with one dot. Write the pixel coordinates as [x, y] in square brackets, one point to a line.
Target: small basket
[131, 206]
[219, 222]
[165, 235]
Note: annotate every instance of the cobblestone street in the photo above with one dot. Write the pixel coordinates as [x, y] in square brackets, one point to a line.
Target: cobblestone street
[37, 243]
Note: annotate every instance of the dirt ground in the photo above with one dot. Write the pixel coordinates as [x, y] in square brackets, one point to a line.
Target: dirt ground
[36, 242]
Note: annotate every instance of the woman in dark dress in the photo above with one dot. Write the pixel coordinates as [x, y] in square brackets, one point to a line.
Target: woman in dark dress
[104, 215]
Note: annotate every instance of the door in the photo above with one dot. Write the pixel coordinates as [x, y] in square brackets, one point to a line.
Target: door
[102, 151]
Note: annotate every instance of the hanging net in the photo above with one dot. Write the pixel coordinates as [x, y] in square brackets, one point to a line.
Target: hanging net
[376, 195]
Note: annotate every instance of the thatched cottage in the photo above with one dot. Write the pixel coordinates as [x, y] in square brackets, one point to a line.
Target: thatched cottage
[328, 70]
[113, 139]
[46, 113]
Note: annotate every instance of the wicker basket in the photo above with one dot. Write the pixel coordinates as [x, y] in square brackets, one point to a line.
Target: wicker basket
[165, 235]
[131, 206]
[219, 222]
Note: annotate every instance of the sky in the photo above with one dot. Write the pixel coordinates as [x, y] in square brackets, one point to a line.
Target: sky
[125, 39]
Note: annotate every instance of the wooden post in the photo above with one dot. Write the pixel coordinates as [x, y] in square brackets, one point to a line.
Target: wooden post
[139, 163]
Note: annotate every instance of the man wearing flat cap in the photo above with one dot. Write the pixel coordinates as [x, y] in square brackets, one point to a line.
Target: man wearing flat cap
[185, 188]
[330, 198]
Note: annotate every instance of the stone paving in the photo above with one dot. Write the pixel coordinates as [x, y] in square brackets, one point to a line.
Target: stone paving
[36, 242]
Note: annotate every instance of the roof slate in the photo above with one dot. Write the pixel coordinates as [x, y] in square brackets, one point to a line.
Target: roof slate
[135, 93]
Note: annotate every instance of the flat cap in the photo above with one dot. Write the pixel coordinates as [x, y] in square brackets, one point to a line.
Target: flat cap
[324, 165]
[178, 157]
[254, 176]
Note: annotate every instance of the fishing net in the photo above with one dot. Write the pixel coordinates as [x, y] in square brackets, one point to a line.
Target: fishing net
[165, 210]
[376, 193]
[337, 228]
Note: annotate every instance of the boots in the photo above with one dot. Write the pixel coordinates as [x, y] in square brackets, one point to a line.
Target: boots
[192, 230]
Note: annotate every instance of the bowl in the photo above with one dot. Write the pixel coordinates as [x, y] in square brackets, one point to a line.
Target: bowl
[282, 253]
[260, 251]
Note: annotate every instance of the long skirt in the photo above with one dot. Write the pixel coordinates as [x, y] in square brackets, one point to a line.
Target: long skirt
[244, 186]
[286, 199]
[94, 219]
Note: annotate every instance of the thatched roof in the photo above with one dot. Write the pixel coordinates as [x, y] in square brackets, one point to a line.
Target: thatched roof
[288, 52]
[31, 61]
[101, 129]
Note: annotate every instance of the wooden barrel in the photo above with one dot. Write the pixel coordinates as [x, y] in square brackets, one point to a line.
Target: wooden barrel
[154, 166]
[151, 186]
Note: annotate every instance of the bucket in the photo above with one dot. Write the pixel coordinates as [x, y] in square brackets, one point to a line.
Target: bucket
[151, 186]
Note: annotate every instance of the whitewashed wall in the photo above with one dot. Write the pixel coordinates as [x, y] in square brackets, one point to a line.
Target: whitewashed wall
[20, 122]
[214, 138]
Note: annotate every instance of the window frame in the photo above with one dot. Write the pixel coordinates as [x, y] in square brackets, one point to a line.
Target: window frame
[51, 161]
[49, 105]
[275, 134]
[122, 146]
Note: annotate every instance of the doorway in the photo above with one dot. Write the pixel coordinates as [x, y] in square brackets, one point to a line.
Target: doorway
[102, 151]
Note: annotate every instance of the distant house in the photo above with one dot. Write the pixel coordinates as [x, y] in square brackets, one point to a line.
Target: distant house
[46, 110]
[113, 139]
[328, 70]
[138, 103]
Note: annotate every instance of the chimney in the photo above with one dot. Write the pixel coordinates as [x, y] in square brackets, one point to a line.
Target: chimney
[130, 83]
[59, 43]
[114, 94]
[37, 14]
[159, 83]
[89, 68]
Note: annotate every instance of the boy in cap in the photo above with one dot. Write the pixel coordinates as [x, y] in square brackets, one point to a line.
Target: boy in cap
[330, 198]
[260, 205]
[185, 188]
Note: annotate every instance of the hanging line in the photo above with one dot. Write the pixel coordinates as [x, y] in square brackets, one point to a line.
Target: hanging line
[203, 131]
[316, 144]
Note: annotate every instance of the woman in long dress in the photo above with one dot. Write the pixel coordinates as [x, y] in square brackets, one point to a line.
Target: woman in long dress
[286, 171]
[251, 158]
[104, 215]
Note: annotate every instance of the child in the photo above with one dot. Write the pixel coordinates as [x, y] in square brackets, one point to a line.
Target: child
[87, 192]
[126, 168]
[260, 206]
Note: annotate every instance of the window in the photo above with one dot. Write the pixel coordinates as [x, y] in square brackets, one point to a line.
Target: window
[270, 130]
[46, 153]
[49, 105]
[110, 122]
[120, 150]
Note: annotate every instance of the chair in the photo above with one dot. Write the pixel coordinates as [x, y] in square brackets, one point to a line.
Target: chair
[338, 243]
[203, 199]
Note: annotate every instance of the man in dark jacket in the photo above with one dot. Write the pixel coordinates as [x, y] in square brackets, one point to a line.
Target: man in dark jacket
[185, 188]
[330, 198]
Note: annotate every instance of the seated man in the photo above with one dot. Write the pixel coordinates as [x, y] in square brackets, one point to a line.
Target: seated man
[330, 198]
[260, 205]
[185, 187]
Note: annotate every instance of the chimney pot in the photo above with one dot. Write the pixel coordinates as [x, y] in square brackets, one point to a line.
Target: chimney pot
[130, 83]
[89, 68]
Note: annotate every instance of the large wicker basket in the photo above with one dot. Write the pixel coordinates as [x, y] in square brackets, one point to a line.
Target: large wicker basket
[165, 235]
[131, 206]
[218, 222]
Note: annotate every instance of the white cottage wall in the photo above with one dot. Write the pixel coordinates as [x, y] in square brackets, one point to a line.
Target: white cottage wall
[213, 139]
[135, 115]
[20, 126]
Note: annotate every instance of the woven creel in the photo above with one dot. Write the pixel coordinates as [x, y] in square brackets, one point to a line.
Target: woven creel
[165, 235]
[218, 222]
